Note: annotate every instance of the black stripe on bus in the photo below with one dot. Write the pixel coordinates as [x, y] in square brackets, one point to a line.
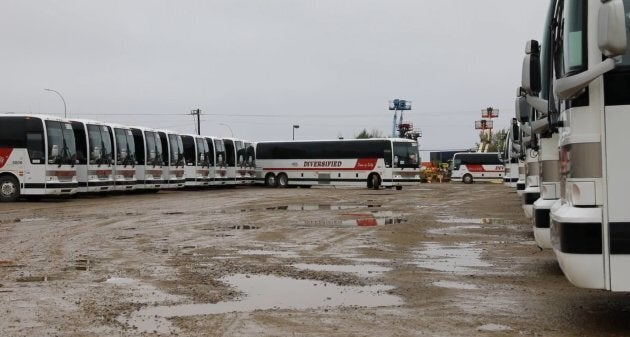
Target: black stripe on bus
[96, 184]
[52, 185]
[577, 238]
[125, 182]
[520, 187]
[619, 238]
[510, 180]
[541, 217]
[530, 198]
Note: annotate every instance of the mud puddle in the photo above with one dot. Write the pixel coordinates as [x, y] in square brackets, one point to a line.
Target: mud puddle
[460, 258]
[364, 270]
[367, 219]
[455, 285]
[265, 292]
[483, 221]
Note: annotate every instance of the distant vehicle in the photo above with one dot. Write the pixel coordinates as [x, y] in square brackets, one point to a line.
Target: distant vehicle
[37, 157]
[95, 156]
[362, 162]
[149, 170]
[172, 159]
[124, 159]
[197, 160]
[470, 166]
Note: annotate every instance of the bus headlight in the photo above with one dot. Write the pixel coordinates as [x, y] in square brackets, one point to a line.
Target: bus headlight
[583, 193]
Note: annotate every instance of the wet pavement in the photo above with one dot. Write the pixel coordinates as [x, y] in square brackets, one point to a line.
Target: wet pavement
[436, 260]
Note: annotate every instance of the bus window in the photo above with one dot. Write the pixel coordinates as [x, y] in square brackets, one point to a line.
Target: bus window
[189, 150]
[35, 147]
[405, 155]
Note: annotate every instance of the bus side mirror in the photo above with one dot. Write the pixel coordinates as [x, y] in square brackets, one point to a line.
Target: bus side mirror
[522, 109]
[530, 79]
[611, 29]
[54, 152]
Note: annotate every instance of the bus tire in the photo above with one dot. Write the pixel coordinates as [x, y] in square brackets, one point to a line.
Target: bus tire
[270, 180]
[283, 180]
[467, 179]
[374, 181]
[398, 188]
[9, 188]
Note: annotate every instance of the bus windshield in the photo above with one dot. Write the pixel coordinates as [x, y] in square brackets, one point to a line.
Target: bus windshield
[125, 147]
[405, 154]
[100, 144]
[220, 152]
[177, 150]
[61, 143]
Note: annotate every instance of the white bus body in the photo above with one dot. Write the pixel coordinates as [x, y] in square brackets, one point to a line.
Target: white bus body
[361, 162]
[220, 165]
[469, 167]
[37, 157]
[230, 161]
[586, 65]
[172, 159]
[124, 159]
[510, 159]
[248, 164]
[95, 156]
[549, 190]
[197, 161]
[149, 170]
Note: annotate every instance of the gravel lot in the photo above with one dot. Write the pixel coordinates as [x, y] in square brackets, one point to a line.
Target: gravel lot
[434, 260]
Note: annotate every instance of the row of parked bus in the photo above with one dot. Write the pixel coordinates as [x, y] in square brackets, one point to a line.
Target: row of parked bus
[565, 151]
[43, 155]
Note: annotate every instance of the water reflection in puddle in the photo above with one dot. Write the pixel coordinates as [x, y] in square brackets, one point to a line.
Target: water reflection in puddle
[277, 253]
[483, 221]
[493, 327]
[452, 229]
[455, 285]
[458, 258]
[264, 292]
[361, 270]
[311, 207]
[369, 219]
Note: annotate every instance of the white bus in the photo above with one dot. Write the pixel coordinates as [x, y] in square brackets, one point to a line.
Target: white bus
[584, 65]
[230, 161]
[95, 156]
[37, 157]
[148, 159]
[220, 165]
[248, 165]
[197, 160]
[124, 158]
[469, 167]
[361, 162]
[172, 159]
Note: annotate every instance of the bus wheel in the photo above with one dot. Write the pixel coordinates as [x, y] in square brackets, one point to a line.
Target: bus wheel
[270, 180]
[398, 188]
[374, 181]
[9, 188]
[283, 180]
[467, 179]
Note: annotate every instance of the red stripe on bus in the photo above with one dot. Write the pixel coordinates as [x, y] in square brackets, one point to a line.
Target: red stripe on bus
[5, 152]
[362, 164]
[480, 168]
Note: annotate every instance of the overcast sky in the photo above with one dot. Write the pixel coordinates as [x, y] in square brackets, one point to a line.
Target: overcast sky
[260, 66]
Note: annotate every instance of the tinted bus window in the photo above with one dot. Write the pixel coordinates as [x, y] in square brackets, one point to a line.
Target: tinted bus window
[190, 155]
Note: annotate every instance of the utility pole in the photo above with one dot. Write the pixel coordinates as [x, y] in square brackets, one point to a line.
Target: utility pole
[198, 113]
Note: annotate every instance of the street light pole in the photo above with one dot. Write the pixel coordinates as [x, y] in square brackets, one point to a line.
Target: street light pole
[232, 133]
[295, 126]
[63, 100]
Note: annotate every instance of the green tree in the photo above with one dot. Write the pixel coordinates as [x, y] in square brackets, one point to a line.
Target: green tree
[364, 134]
[496, 143]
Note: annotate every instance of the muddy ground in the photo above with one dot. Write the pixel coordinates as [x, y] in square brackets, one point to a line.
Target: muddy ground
[435, 260]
